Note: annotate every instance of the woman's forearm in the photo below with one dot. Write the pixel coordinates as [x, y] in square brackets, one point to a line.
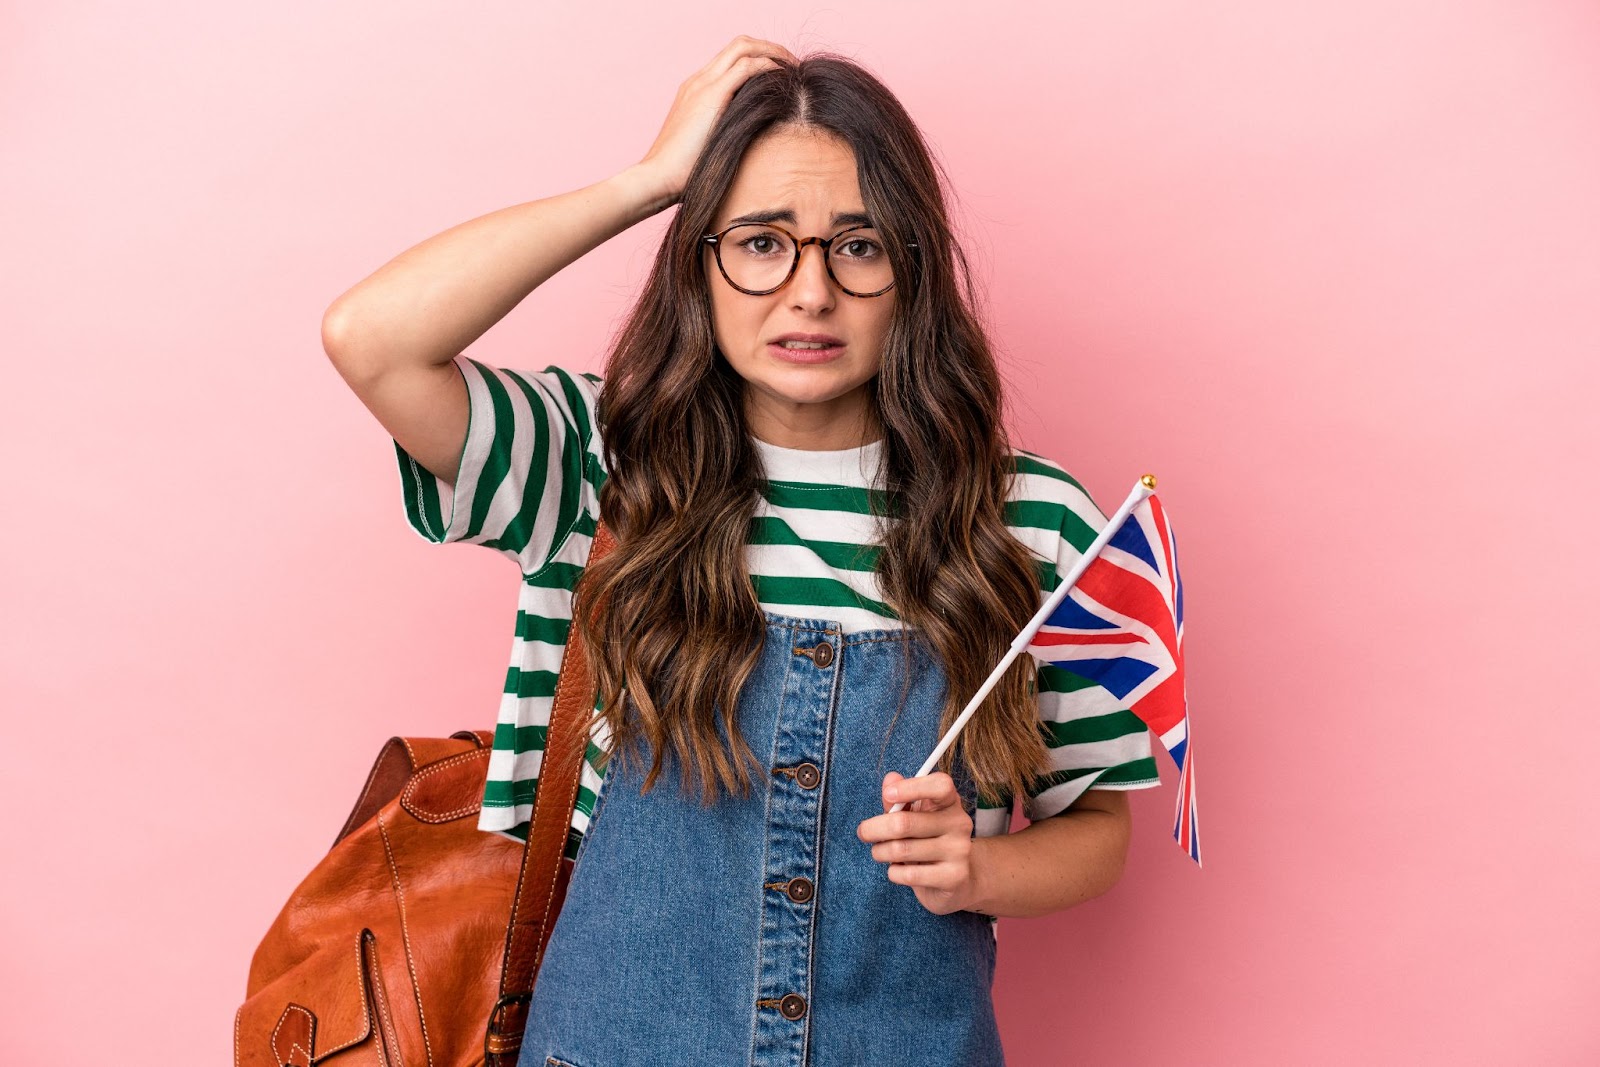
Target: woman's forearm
[1051, 864]
[433, 300]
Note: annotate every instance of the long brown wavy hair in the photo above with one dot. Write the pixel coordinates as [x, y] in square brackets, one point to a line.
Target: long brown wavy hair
[682, 628]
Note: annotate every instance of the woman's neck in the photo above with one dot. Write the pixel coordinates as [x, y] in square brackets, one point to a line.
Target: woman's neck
[845, 422]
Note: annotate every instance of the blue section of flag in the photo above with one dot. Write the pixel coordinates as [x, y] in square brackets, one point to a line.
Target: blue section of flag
[1177, 578]
[1071, 615]
[1130, 538]
[1119, 676]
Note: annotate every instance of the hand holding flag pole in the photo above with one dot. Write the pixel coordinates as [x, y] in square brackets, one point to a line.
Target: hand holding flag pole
[1123, 629]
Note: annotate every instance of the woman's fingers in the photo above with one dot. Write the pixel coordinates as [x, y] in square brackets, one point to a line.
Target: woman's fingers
[933, 807]
[904, 823]
[699, 103]
[740, 48]
[936, 790]
[921, 850]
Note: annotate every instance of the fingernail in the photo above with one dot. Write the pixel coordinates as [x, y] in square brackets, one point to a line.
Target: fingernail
[893, 792]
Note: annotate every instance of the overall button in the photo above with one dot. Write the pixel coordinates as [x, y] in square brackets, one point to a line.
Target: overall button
[822, 655]
[807, 775]
[800, 890]
[793, 1006]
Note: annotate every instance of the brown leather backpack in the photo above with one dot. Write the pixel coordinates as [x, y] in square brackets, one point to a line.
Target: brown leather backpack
[417, 938]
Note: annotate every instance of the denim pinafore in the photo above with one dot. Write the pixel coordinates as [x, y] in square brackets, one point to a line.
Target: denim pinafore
[760, 930]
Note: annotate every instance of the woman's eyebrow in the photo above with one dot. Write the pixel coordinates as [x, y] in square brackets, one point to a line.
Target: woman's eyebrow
[854, 218]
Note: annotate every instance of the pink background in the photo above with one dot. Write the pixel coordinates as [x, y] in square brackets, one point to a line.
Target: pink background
[1330, 270]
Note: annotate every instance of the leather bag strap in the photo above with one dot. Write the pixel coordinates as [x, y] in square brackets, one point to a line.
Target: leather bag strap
[540, 888]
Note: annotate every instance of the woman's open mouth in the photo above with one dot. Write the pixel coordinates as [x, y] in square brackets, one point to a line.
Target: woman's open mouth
[805, 351]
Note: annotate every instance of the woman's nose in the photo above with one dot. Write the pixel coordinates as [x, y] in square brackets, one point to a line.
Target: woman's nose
[811, 281]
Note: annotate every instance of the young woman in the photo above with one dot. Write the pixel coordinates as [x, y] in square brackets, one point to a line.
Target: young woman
[824, 544]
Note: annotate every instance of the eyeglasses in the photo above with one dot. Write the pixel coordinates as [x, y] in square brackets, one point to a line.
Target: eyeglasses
[760, 258]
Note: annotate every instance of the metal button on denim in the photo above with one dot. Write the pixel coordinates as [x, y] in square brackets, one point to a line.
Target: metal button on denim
[800, 889]
[793, 1006]
[807, 775]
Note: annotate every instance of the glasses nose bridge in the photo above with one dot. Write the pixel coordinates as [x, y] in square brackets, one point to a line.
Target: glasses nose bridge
[824, 244]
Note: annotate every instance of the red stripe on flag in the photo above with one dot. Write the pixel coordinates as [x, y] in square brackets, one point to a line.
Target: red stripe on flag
[1164, 535]
[1164, 706]
[1121, 637]
[1128, 594]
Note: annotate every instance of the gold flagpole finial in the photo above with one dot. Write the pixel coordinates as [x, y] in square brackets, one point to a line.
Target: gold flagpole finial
[1149, 481]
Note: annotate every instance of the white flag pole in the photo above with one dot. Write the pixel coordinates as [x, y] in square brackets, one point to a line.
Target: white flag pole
[1141, 489]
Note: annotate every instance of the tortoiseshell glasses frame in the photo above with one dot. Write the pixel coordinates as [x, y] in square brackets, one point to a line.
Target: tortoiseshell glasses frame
[715, 241]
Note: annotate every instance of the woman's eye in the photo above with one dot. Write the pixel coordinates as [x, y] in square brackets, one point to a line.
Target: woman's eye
[860, 248]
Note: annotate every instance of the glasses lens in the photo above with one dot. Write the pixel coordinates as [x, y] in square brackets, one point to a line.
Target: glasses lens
[860, 261]
[758, 258]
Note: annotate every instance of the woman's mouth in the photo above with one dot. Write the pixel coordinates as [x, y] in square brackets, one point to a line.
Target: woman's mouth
[805, 351]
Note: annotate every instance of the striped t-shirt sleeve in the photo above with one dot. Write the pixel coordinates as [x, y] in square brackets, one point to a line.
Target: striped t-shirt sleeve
[1095, 742]
[524, 468]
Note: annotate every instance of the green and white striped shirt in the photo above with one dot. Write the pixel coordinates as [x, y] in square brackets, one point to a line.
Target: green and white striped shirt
[528, 487]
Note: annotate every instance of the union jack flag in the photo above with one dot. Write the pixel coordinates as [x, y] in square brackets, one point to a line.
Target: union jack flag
[1120, 624]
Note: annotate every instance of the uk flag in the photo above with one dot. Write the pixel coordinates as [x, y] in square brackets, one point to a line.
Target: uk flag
[1120, 624]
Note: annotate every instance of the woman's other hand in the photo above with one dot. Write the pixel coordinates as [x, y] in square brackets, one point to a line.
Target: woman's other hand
[699, 102]
[928, 844]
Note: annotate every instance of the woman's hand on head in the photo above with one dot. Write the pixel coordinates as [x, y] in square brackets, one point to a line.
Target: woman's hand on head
[927, 844]
[699, 103]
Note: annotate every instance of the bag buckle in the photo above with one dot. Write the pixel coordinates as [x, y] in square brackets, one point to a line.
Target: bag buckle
[506, 1023]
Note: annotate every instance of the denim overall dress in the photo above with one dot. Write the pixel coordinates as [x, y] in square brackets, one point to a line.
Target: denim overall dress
[760, 930]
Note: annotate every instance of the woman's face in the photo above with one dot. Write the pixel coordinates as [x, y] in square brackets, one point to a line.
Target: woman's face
[796, 399]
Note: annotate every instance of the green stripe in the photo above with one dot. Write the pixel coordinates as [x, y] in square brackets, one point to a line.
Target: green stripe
[823, 497]
[772, 530]
[1137, 770]
[531, 627]
[570, 500]
[1079, 534]
[1054, 679]
[1093, 728]
[530, 683]
[505, 795]
[1134, 771]
[520, 739]
[1036, 514]
[815, 593]
[575, 403]
[520, 530]
[1033, 463]
[497, 464]
[555, 576]
[421, 491]
[594, 471]
[1048, 515]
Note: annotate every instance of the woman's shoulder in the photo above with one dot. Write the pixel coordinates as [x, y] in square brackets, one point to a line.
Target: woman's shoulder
[1042, 479]
[1048, 508]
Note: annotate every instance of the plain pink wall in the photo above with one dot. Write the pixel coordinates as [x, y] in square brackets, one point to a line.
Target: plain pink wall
[1329, 269]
